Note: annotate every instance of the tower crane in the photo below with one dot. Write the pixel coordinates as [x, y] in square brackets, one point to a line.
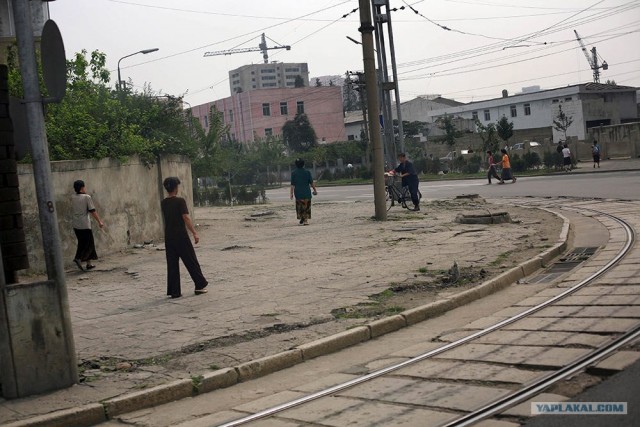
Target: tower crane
[261, 47]
[592, 59]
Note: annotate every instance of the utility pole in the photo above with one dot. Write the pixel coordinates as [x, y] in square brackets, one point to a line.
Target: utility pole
[368, 58]
[54, 365]
[385, 85]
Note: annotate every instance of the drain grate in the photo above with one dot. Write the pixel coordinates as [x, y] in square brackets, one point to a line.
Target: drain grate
[567, 263]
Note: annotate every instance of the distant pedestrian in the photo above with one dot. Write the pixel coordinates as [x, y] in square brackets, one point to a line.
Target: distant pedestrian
[491, 172]
[301, 185]
[566, 158]
[177, 243]
[409, 179]
[595, 150]
[81, 208]
[506, 167]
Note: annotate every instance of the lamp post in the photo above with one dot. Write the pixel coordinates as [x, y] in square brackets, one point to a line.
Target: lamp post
[144, 52]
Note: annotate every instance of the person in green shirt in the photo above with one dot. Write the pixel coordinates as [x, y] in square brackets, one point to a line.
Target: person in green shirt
[301, 185]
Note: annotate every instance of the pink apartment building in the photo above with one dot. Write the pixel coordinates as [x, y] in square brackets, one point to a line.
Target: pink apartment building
[263, 112]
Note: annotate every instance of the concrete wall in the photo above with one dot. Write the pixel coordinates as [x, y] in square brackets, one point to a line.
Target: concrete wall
[127, 197]
[615, 140]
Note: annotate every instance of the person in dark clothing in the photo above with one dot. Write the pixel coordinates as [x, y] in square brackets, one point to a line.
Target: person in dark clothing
[301, 186]
[177, 243]
[82, 207]
[491, 172]
[409, 179]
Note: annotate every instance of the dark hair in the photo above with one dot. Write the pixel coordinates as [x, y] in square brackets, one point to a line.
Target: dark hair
[503, 151]
[171, 183]
[77, 185]
[565, 146]
[299, 163]
[488, 151]
[402, 155]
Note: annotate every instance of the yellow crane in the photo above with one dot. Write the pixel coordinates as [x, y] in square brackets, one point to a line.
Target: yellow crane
[261, 47]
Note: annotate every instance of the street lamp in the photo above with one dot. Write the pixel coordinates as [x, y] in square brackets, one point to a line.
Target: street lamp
[144, 52]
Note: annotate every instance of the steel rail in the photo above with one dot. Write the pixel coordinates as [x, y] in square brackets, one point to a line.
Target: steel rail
[356, 381]
[577, 365]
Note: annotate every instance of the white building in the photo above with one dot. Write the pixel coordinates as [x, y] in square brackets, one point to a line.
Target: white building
[589, 105]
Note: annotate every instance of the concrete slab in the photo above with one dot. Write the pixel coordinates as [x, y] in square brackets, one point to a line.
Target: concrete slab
[524, 409]
[537, 338]
[615, 363]
[591, 325]
[468, 371]
[515, 355]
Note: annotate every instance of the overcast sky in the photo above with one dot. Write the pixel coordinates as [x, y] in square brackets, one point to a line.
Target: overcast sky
[490, 45]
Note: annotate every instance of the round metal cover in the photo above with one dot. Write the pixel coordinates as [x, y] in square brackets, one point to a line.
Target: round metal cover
[54, 62]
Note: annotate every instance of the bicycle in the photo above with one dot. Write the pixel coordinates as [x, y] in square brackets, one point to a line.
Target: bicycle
[395, 192]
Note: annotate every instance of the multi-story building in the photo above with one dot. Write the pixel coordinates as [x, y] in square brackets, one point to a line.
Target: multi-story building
[262, 112]
[268, 76]
[588, 104]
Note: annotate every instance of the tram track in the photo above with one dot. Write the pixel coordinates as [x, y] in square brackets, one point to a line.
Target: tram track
[513, 397]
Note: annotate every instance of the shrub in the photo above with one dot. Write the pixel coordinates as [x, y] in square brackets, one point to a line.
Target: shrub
[531, 160]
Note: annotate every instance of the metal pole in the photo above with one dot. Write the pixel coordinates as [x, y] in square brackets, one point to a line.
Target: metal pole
[395, 82]
[366, 28]
[42, 173]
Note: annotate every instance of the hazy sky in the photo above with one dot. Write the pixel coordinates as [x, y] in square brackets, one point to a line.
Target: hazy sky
[491, 45]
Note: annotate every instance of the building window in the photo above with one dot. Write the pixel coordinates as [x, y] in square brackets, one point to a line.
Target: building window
[269, 84]
[268, 77]
[284, 109]
[268, 132]
[514, 111]
[474, 115]
[300, 107]
[292, 70]
[568, 99]
[206, 121]
[555, 101]
[231, 116]
[527, 109]
[487, 115]
[266, 109]
[267, 71]
[351, 137]
[291, 83]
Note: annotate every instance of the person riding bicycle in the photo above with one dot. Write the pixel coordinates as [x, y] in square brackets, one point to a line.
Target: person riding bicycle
[409, 179]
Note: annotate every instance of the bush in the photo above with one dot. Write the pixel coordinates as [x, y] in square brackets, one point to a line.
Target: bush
[552, 160]
[517, 164]
[472, 165]
[531, 160]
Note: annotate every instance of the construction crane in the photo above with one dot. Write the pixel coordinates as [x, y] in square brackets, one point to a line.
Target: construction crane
[262, 47]
[592, 59]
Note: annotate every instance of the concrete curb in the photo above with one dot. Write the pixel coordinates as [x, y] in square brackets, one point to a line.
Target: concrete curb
[93, 414]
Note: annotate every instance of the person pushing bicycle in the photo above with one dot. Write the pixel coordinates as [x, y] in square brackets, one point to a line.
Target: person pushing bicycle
[409, 179]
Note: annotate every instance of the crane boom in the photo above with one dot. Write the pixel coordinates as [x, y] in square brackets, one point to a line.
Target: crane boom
[261, 47]
[592, 59]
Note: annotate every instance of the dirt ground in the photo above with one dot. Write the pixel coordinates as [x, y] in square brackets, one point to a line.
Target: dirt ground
[370, 269]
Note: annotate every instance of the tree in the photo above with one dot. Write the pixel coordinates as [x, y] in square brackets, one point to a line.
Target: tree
[562, 122]
[488, 135]
[94, 121]
[505, 129]
[298, 134]
[299, 81]
[448, 126]
[611, 82]
[318, 82]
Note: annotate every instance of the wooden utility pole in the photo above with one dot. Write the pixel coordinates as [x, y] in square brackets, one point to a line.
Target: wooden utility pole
[368, 57]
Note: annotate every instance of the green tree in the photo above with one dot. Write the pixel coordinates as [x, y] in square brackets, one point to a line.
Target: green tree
[488, 135]
[449, 127]
[562, 122]
[505, 129]
[298, 134]
[318, 82]
[298, 82]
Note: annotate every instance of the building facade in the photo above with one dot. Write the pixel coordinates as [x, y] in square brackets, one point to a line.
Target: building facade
[267, 76]
[262, 112]
[589, 105]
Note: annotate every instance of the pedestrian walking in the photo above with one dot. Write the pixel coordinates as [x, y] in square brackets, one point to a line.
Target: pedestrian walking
[491, 172]
[566, 158]
[177, 243]
[595, 150]
[301, 186]
[409, 179]
[82, 208]
[506, 168]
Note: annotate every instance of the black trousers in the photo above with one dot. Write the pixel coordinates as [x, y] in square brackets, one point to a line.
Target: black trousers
[86, 249]
[492, 173]
[182, 250]
[413, 183]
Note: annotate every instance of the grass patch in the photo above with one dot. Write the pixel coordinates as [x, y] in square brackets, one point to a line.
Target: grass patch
[501, 258]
